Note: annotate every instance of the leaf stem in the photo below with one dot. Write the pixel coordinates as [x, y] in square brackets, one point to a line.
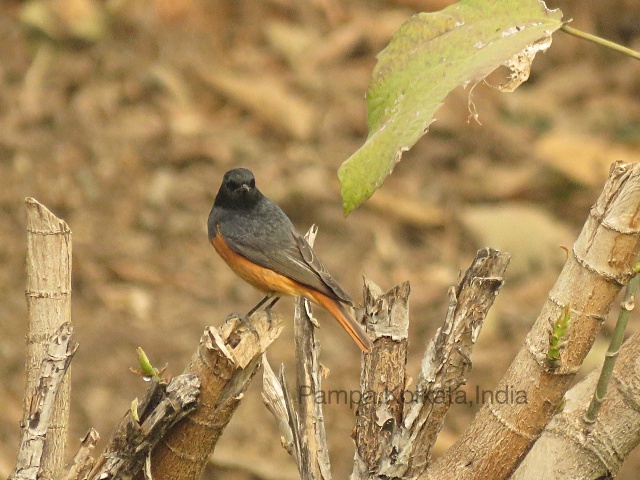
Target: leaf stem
[611, 356]
[600, 41]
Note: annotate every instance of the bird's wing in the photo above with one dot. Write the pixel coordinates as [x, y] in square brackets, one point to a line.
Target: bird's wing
[314, 263]
[293, 258]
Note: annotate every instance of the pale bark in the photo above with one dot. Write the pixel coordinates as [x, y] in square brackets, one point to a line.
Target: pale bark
[60, 351]
[447, 361]
[397, 425]
[48, 294]
[227, 359]
[382, 376]
[570, 448]
[600, 263]
[82, 460]
[314, 452]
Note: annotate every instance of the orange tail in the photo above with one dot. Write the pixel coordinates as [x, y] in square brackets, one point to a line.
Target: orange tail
[337, 310]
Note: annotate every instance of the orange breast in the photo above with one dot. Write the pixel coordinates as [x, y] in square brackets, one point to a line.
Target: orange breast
[264, 279]
[273, 283]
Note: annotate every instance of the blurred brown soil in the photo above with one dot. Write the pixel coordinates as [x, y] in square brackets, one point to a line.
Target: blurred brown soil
[122, 117]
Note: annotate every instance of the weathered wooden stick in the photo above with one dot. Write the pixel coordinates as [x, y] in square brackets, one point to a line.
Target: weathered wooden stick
[314, 452]
[55, 363]
[397, 427]
[383, 376]
[48, 295]
[447, 361]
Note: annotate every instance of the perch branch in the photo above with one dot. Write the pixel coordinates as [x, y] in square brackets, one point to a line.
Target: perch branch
[301, 422]
[314, 452]
[226, 361]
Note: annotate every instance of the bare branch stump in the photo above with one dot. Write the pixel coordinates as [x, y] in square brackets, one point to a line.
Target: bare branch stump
[382, 380]
[226, 361]
[48, 295]
[55, 363]
[144, 425]
[396, 428]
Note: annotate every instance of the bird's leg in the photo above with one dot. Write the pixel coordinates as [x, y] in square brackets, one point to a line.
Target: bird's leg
[260, 303]
[267, 309]
[245, 318]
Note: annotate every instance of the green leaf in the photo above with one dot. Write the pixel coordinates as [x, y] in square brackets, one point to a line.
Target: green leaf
[430, 55]
[145, 364]
[556, 337]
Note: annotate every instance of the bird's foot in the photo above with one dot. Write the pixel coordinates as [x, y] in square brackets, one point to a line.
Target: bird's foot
[267, 309]
[247, 321]
[268, 312]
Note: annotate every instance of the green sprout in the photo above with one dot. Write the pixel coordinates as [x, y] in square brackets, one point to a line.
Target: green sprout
[147, 371]
[556, 337]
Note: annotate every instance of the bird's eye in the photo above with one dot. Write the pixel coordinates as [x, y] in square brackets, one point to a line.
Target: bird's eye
[252, 183]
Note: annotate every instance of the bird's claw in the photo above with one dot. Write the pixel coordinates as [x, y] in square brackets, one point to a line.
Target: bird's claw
[268, 312]
[247, 321]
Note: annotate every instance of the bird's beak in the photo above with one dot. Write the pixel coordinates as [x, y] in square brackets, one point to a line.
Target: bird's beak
[245, 187]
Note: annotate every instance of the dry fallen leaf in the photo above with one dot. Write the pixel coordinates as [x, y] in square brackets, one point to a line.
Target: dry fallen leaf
[585, 159]
[529, 233]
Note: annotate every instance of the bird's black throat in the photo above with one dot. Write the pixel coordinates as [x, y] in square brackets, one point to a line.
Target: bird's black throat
[237, 193]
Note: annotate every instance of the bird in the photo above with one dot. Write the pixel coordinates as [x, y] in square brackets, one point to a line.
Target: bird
[259, 243]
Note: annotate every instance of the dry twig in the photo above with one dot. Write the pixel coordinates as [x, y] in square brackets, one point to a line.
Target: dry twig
[301, 423]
